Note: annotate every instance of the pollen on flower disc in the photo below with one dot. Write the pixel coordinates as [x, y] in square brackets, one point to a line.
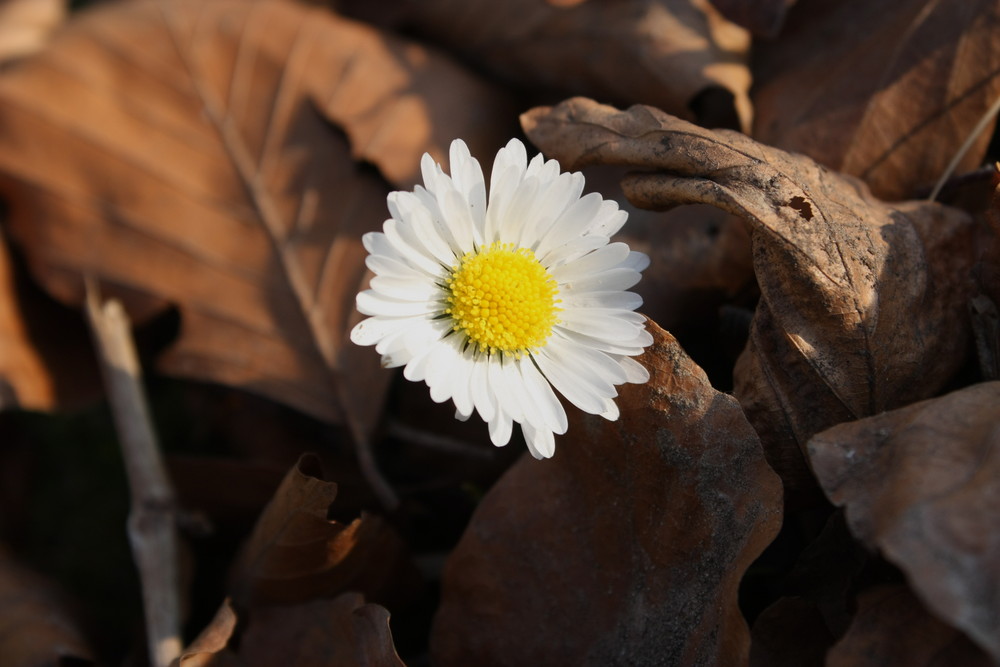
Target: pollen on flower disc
[502, 299]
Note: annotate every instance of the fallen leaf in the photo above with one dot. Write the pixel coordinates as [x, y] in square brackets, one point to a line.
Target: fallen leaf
[36, 627]
[343, 632]
[892, 629]
[922, 485]
[761, 17]
[863, 304]
[45, 356]
[626, 548]
[887, 91]
[296, 553]
[27, 25]
[661, 52]
[188, 153]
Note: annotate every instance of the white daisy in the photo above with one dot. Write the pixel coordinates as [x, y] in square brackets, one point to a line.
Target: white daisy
[493, 303]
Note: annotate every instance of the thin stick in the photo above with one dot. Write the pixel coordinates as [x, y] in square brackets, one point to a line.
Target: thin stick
[964, 148]
[152, 526]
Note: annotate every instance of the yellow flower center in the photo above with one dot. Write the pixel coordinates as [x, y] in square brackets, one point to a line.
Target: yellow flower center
[503, 299]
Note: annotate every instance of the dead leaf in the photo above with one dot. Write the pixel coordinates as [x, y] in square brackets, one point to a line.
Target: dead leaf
[761, 17]
[297, 554]
[892, 629]
[863, 304]
[36, 627]
[45, 357]
[27, 25]
[183, 153]
[343, 632]
[659, 52]
[628, 547]
[887, 91]
[922, 485]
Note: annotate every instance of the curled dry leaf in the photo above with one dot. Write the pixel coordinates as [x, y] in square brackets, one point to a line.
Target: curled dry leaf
[183, 153]
[626, 548]
[863, 304]
[659, 52]
[892, 629]
[296, 553]
[36, 627]
[887, 90]
[343, 632]
[922, 484]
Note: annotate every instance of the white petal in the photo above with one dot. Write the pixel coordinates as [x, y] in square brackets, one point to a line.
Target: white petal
[608, 220]
[514, 156]
[541, 442]
[606, 281]
[371, 302]
[576, 390]
[540, 394]
[373, 329]
[632, 346]
[512, 218]
[467, 176]
[458, 218]
[482, 396]
[635, 372]
[571, 223]
[637, 260]
[603, 258]
[508, 395]
[502, 190]
[500, 429]
[385, 265]
[399, 235]
[551, 202]
[615, 299]
[603, 323]
[408, 289]
[420, 228]
[610, 412]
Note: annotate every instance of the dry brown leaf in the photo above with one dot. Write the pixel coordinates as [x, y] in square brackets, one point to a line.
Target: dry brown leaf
[36, 627]
[27, 25]
[863, 304]
[892, 629]
[887, 91]
[659, 52]
[628, 547]
[183, 153]
[296, 553]
[343, 632]
[45, 357]
[922, 484]
[761, 17]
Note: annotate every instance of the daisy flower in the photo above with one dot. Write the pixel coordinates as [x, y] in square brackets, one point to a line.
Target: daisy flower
[495, 302]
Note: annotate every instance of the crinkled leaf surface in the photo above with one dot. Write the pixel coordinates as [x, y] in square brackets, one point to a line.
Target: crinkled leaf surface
[885, 90]
[343, 632]
[191, 153]
[26, 25]
[892, 629]
[922, 484]
[296, 553]
[659, 52]
[627, 547]
[863, 303]
[761, 17]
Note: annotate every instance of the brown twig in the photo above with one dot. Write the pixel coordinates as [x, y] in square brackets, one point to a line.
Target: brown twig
[152, 527]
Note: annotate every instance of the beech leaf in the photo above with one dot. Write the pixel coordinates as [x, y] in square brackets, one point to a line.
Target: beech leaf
[922, 485]
[675, 54]
[296, 553]
[188, 153]
[863, 303]
[626, 548]
[885, 90]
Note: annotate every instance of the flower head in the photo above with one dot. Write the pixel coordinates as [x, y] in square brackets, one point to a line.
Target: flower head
[493, 303]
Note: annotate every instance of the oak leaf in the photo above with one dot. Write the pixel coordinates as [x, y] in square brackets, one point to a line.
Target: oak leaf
[190, 153]
[887, 91]
[863, 303]
[922, 485]
[628, 547]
